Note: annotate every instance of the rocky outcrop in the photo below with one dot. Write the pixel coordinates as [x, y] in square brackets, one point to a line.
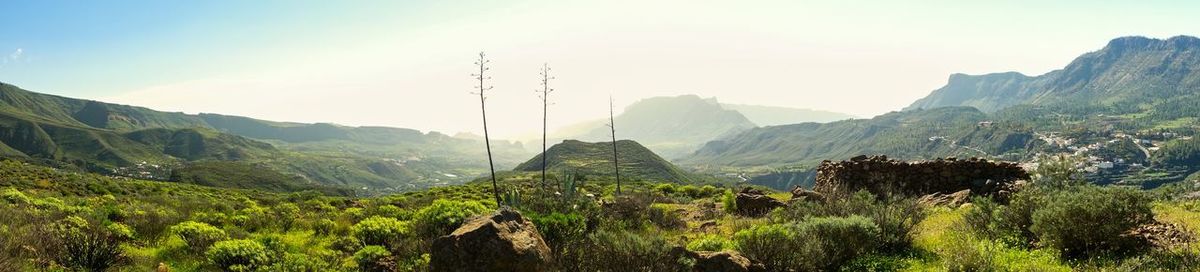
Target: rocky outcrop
[502, 241]
[939, 199]
[725, 261]
[881, 176]
[753, 202]
[719, 261]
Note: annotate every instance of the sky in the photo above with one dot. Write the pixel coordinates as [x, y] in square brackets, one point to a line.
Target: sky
[408, 63]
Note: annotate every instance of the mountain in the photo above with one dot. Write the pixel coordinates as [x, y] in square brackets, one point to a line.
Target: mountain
[774, 116]
[1130, 73]
[595, 159]
[671, 126]
[121, 139]
[916, 134]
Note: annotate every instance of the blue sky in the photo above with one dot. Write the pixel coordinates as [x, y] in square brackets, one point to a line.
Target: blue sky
[388, 62]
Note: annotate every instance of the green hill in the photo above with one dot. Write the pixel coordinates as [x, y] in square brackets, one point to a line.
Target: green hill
[595, 159]
[918, 134]
[112, 138]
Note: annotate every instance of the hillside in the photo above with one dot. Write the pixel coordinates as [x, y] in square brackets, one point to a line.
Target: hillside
[914, 134]
[112, 138]
[595, 159]
[1128, 73]
[671, 126]
[774, 116]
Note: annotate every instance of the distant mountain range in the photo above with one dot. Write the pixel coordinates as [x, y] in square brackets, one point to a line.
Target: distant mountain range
[677, 126]
[774, 116]
[120, 139]
[1128, 72]
[1134, 85]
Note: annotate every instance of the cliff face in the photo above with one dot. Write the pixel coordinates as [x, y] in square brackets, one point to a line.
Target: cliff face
[1134, 70]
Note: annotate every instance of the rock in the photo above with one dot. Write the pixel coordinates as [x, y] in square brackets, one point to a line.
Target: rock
[721, 261]
[807, 195]
[501, 241]
[953, 199]
[751, 202]
[1161, 235]
[725, 261]
[707, 226]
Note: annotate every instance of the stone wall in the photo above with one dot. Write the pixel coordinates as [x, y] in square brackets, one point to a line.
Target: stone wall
[881, 175]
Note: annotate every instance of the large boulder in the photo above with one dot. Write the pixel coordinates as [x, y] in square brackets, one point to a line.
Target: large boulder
[725, 261]
[719, 261]
[752, 202]
[502, 241]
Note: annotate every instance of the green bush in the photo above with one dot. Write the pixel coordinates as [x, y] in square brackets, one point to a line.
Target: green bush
[1090, 221]
[198, 236]
[12, 196]
[323, 226]
[380, 231]
[729, 201]
[897, 218]
[559, 228]
[239, 255]
[443, 216]
[819, 243]
[621, 250]
[373, 259]
[665, 217]
[711, 243]
[86, 246]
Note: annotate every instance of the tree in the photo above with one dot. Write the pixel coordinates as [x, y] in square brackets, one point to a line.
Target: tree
[544, 94]
[482, 88]
[612, 126]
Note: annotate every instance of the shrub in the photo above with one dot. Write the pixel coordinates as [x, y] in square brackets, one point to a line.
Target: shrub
[286, 215]
[239, 255]
[897, 218]
[729, 201]
[379, 231]
[1090, 221]
[12, 196]
[559, 228]
[620, 250]
[443, 216]
[373, 259]
[198, 236]
[88, 246]
[819, 243]
[323, 226]
[711, 243]
[665, 217]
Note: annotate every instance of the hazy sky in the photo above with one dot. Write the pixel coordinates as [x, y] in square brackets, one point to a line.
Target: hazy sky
[407, 63]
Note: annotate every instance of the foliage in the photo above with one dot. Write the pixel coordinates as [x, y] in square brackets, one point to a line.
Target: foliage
[372, 259]
[819, 243]
[558, 229]
[198, 236]
[1089, 221]
[443, 216]
[380, 231]
[711, 243]
[239, 255]
[664, 216]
